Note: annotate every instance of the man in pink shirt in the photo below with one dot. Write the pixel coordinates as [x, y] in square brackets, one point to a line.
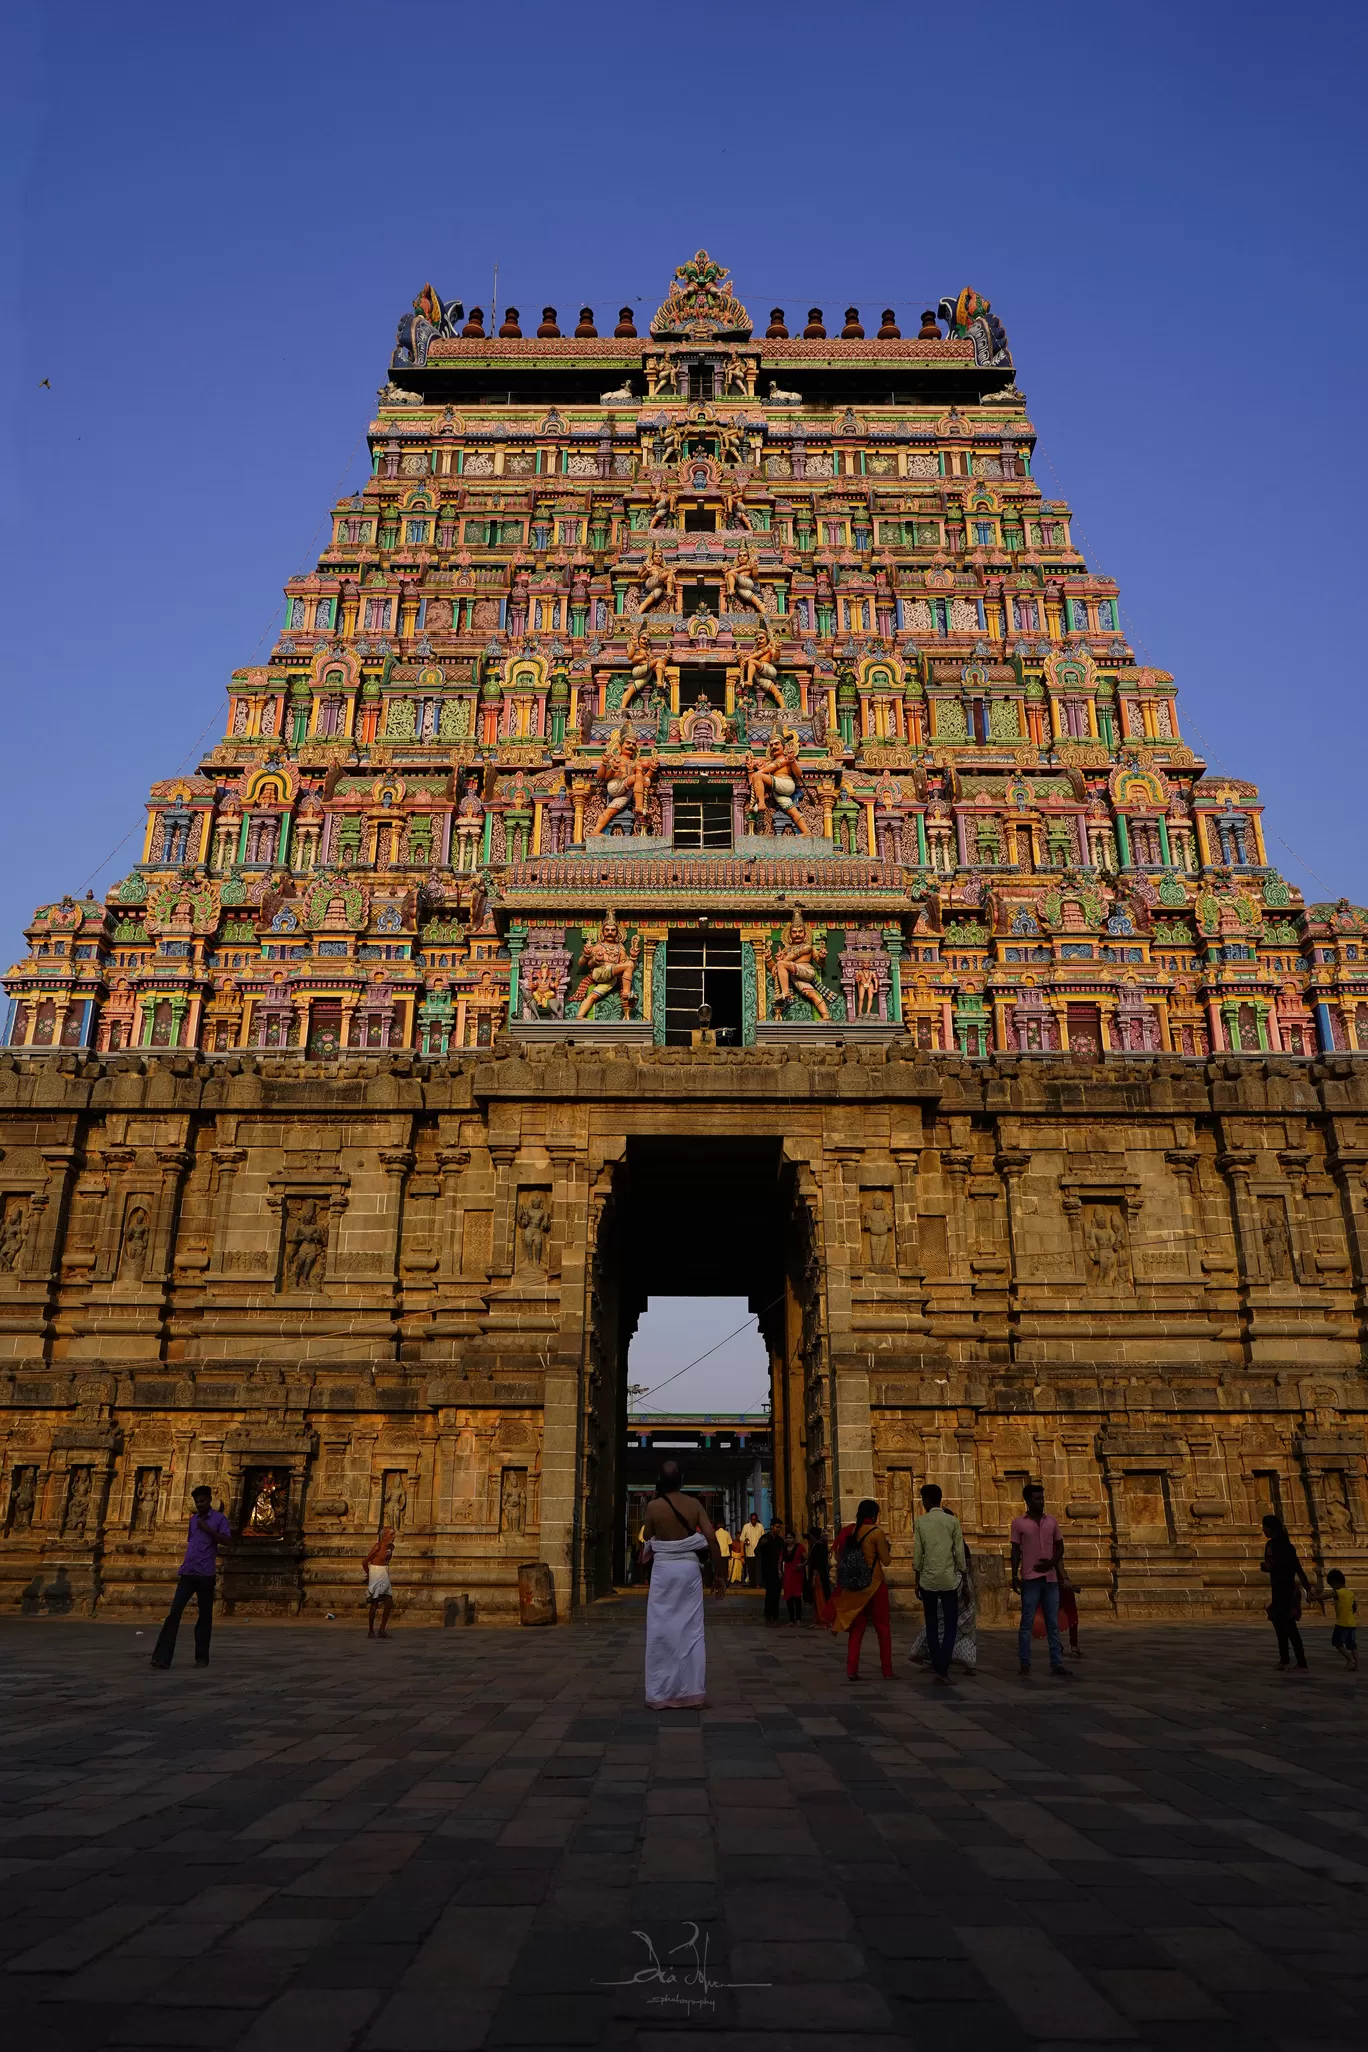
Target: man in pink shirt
[1037, 1550]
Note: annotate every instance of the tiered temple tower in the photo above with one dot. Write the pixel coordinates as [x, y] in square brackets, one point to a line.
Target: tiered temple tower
[723, 725]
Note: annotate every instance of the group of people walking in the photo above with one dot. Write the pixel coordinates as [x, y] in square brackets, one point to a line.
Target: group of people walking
[790, 1570]
[943, 1578]
[677, 1540]
[677, 1535]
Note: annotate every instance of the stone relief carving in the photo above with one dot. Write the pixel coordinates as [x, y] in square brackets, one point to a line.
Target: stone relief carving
[133, 1249]
[513, 1500]
[13, 1233]
[534, 1223]
[878, 1230]
[306, 1243]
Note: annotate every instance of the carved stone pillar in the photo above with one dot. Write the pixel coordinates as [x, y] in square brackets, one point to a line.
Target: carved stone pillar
[49, 1206]
[396, 1163]
[1235, 1164]
[1185, 1163]
[853, 1439]
[450, 1161]
[174, 1164]
[226, 1162]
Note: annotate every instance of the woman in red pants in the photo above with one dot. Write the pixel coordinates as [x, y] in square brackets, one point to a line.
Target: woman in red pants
[862, 1554]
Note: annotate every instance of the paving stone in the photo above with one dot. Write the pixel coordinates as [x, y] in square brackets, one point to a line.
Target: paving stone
[1047, 1995]
[1219, 1959]
[424, 2020]
[325, 2020]
[461, 1853]
[1157, 1994]
[177, 2028]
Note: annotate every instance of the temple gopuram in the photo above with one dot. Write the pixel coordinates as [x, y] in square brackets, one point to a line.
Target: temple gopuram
[702, 828]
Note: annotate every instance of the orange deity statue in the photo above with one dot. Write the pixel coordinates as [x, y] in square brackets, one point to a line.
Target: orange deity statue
[608, 966]
[626, 775]
[774, 781]
[795, 966]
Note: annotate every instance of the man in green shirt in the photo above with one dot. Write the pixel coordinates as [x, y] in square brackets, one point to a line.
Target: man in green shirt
[938, 1563]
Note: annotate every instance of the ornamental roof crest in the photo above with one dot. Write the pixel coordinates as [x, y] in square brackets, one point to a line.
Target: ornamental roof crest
[700, 303]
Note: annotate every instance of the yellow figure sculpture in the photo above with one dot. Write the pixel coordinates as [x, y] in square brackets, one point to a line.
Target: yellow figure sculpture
[646, 662]
[775, 780]
[541, 987]
[658, 581]
[739, 582]
[626, 776]
[758, 665]
[608, 967]
[794, 968]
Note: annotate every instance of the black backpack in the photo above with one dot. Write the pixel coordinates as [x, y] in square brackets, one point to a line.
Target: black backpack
[853, 1571]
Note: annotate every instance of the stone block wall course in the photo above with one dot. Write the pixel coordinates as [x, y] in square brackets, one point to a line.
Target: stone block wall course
[345, 1293]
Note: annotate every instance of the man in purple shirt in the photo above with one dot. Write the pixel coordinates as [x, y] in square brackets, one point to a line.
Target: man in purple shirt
[208, 1530]
[1037, 1550]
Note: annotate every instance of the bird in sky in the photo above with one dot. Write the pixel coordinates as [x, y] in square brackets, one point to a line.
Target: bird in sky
[45, 381]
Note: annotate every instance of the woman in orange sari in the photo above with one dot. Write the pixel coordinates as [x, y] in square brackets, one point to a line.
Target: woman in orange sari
[862, 1554]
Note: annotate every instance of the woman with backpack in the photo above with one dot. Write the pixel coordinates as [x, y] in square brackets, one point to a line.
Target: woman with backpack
[862, 1554]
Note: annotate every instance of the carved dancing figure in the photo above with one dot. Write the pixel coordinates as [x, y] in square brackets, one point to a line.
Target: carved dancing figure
[738, 581]
[775, 780]
[734, 512]
[663, 511]
[794, 968]
[646, 662]
[12, 1236]
[658, 581]
[608, 967]
[758, 666]
[306, 1242]
[626, 775]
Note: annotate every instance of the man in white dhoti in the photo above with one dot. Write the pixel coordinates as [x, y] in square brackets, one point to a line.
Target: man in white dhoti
[679, 1538]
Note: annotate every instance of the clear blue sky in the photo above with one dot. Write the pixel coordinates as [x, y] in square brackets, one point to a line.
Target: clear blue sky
[213, 219]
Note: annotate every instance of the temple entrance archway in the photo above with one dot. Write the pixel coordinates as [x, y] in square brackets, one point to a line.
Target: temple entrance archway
[709, 1217]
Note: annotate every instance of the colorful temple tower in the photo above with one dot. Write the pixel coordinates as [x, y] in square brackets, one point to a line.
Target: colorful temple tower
[723, 723]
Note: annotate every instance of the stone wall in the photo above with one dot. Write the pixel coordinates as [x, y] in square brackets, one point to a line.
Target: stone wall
[381, 1290]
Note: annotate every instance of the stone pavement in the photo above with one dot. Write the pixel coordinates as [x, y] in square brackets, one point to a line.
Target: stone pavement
[467, 1838]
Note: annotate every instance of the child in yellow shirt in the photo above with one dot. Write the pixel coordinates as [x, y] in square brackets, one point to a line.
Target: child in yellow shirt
[1344, 1638]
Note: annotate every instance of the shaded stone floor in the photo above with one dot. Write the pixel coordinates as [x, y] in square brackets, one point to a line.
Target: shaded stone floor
[457, 1839]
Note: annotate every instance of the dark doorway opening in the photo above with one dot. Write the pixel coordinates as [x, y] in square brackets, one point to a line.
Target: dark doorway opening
[694, 596]
[715, 1216]
[700, 520]
[701, 679]
[703, 969]
[700, 381]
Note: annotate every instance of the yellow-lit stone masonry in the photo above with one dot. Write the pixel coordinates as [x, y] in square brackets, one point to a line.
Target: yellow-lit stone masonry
[390, 1290]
